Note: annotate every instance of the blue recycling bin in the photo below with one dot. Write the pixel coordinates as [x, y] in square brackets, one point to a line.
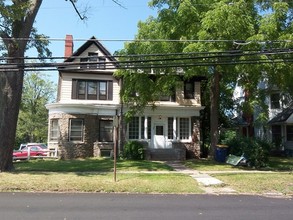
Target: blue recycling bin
[221, 153]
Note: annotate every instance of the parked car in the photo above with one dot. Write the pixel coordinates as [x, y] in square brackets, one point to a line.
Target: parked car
[22, 146]
[34, 149]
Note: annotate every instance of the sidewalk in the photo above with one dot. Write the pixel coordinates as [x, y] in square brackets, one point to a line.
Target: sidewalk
[207, 182]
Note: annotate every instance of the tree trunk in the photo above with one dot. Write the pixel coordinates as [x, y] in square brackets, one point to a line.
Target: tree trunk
[11, 79]
[10, 96]
[214, 115]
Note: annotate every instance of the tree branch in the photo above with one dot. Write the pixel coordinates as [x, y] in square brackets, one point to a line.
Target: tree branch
[76, 10]
[84, 17]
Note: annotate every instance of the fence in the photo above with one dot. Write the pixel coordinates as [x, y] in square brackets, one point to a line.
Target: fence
[29, 154]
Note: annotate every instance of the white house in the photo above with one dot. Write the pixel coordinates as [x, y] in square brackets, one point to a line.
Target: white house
[88, 106]
[279, 128]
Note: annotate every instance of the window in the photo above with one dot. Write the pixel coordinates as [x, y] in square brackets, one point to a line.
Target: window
[184, 128]
[160, 130]
[133, 131]
[189, 90]
[149, 128]
[83, 63]
[102, 90]
[76, 130]
[54, 130]
[170, 128]
[289, 129]
[171, 97]
[106, 130]
[93, 61]
[102, 63]
[276, 134]
[275, 101]
[92, 89]
[93, 58]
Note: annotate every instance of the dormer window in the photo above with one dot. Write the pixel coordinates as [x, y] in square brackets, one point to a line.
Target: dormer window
[93, 61]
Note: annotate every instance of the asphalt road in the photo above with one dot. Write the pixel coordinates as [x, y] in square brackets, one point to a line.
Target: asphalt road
[69, 206]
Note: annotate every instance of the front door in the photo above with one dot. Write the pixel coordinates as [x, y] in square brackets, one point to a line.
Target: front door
[159, 136]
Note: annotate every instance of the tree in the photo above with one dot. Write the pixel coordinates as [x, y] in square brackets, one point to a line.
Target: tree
[32, 124]
[227, 37]
[18, 34]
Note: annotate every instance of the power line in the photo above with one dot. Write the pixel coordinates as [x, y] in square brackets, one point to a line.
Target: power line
[235, 41]
[147, 61]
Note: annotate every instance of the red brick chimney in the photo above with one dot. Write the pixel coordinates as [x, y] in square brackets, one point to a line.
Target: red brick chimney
[68, 46]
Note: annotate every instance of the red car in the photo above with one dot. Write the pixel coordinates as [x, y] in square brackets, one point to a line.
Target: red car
[32, 150]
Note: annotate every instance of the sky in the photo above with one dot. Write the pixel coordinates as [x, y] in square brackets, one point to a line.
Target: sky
[107, 21]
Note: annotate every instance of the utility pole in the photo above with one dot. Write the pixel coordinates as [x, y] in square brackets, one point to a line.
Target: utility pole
[115, 124]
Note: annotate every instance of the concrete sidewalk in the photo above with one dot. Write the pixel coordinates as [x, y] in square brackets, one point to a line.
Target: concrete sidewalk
[207, 182]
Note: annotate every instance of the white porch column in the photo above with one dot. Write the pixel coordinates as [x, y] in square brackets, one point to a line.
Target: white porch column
[145, 127]
[174, 129]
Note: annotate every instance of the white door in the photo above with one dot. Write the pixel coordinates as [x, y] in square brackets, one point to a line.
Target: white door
[159, 136]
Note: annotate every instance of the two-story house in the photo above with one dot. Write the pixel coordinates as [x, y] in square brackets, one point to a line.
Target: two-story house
[279, 127]
[88, 106]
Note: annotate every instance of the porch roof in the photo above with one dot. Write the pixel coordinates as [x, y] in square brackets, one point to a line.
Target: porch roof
[282, 116]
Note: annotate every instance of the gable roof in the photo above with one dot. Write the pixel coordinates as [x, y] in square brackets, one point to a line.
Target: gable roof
[283, 116]
[86, 45]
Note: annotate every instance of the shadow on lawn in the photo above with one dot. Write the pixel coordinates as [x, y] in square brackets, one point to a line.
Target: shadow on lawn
[87, 165]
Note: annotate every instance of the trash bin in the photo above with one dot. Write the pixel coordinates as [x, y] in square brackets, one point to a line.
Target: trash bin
[221, 153]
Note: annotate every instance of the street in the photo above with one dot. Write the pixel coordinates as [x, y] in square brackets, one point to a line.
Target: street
[71, 206]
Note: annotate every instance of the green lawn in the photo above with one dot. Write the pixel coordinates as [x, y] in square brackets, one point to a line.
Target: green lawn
[274, 164]
[96, 175]
[277, 178]
[89, 165]
[259, 183]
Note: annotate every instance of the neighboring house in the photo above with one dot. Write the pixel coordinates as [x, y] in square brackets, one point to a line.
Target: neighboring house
[281, 128]
[89, 105]
[280, 114]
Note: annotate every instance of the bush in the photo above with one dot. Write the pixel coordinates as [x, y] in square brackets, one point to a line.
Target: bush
[255, 150]
[133, 150]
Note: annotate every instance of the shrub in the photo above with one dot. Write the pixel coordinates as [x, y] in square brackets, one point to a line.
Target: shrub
[255, 150]
[133, 150]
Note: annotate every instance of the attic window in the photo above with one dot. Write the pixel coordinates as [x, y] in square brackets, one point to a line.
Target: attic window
[93, 61]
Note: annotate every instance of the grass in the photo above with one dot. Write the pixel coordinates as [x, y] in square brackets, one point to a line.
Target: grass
[89, 182]
[89, 165]
[278, 179]
[259, 183]
[95, 175]
[274, 164]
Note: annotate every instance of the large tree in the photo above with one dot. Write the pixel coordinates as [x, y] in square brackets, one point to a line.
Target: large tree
[228, 41]
[17, 18]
